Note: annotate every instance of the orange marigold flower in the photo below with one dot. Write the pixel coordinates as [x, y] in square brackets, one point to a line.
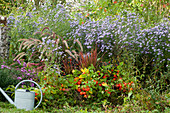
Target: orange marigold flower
[105, 10]
[85, 96]
[36, 98]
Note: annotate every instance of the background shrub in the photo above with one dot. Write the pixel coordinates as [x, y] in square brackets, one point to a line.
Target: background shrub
[7, 77]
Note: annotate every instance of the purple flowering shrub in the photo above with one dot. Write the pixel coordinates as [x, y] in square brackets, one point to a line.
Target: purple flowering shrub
[28, 22]
[153, 43]
[6, 76]
[19, 71]
[126, 30]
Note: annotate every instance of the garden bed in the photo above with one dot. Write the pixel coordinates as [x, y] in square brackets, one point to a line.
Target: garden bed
[101, 54]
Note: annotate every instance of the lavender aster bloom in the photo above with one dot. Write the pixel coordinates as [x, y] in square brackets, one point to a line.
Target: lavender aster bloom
[19, 62]
[19, 78]
[25, 64]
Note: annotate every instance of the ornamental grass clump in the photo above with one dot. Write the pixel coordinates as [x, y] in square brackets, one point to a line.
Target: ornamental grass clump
[48, 48]
[83, 60]
[25, 21]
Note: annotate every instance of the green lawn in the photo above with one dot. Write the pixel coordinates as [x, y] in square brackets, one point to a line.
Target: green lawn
[8, 108]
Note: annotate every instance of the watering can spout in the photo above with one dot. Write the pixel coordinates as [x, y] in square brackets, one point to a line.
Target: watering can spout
[7, 97]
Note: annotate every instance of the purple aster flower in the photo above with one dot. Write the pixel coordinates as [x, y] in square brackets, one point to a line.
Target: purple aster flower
[19, 78]
[2, 66]
[19, 62]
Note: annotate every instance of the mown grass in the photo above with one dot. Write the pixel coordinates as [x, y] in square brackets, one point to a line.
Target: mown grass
[8, 108]
[5, 107]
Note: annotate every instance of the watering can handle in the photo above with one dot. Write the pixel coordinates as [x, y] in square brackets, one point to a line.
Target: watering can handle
[34, 83]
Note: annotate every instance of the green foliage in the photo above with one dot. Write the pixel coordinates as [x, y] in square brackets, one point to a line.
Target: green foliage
[7, 77]
[6, 6]
[9, 108]
[86, 86]
[151, 10]
[146, 100]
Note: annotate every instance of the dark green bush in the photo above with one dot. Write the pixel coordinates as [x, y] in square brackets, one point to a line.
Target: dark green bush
[6, 77]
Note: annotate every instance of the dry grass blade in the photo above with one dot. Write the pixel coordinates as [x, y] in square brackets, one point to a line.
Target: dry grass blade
[36, 40]
[31, 45]
[81, 47]
[64, 41]
[57, 42]
[53, 35]
[75, 54]
[21, 46]
[43, 52]
[21, 54]
[37, 33]
[70, 53]
[23, 39]
[27, 44]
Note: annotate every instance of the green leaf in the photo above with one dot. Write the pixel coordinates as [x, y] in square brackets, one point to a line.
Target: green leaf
[121, 64]
[126, 99]
[98, 59]
[71, 80]
[129, 94]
